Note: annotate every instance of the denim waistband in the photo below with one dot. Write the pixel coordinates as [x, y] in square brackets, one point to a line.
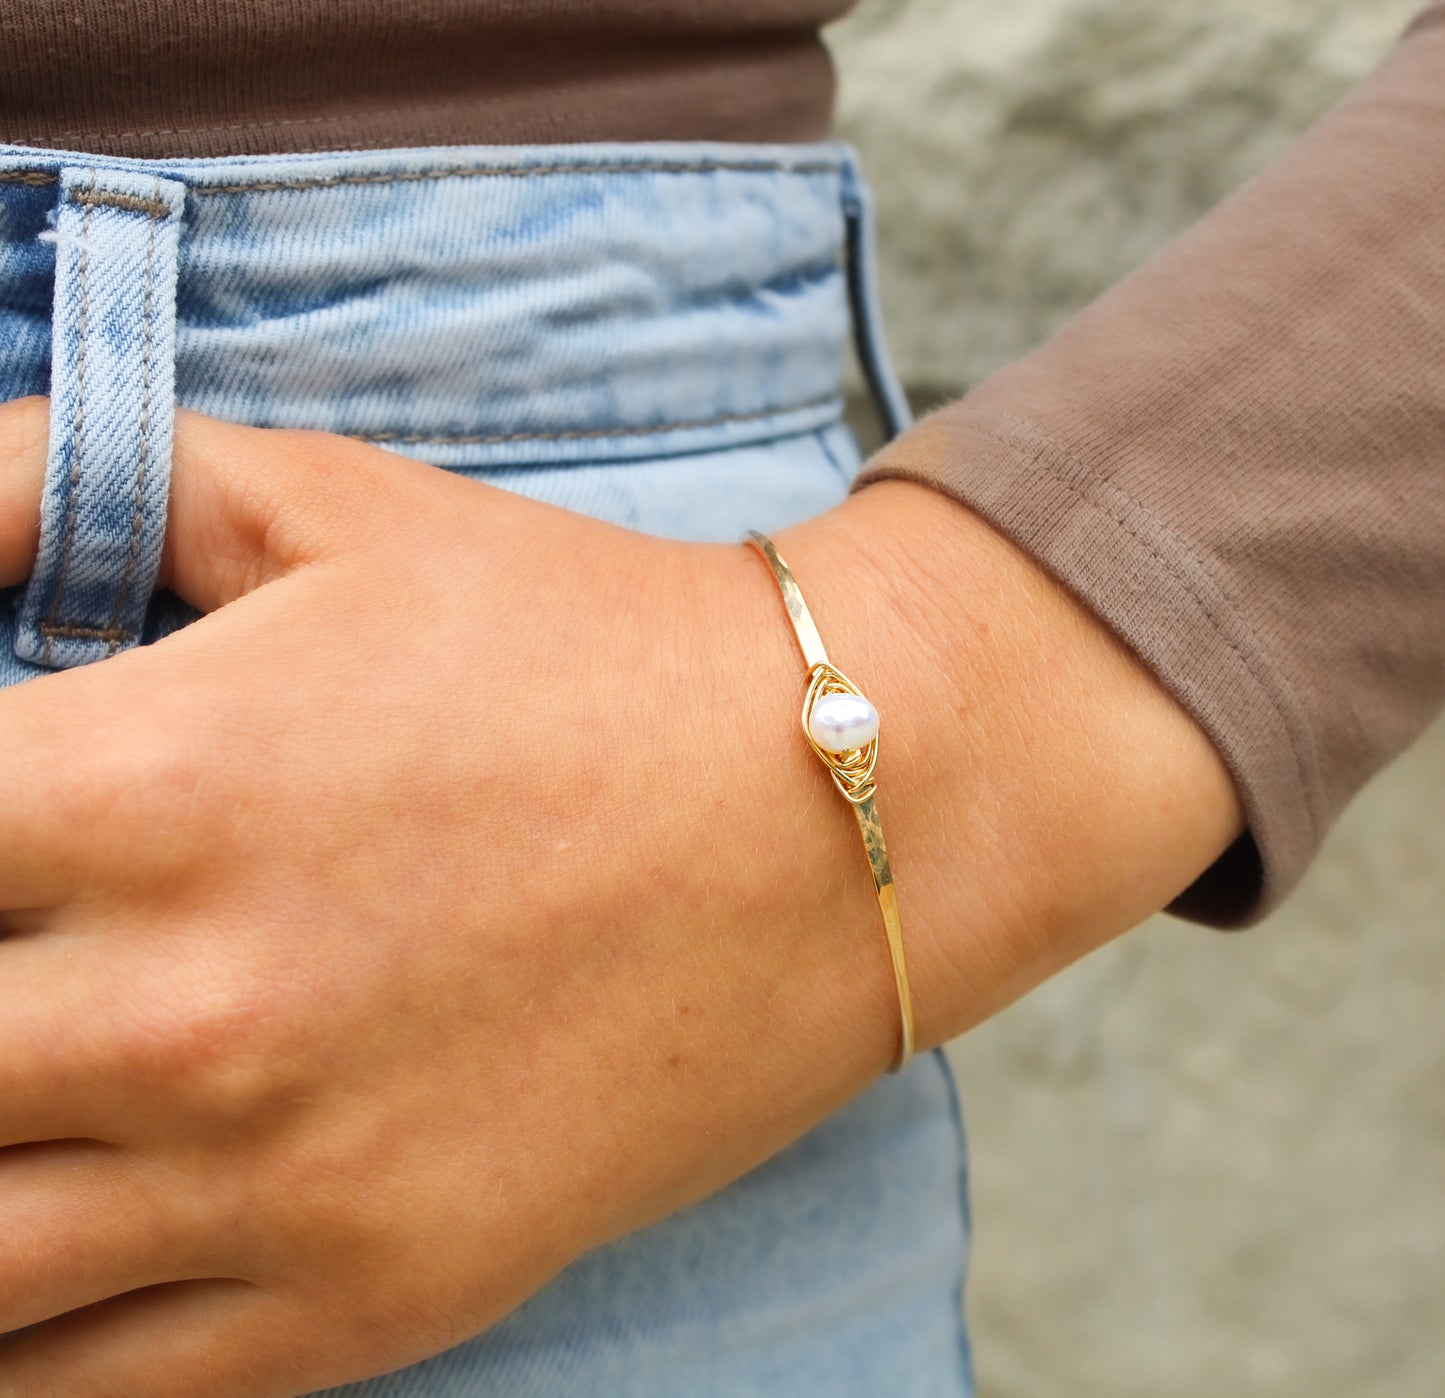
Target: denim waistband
[471, 305]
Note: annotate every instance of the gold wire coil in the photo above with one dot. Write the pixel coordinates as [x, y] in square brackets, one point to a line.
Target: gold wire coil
[852, 773]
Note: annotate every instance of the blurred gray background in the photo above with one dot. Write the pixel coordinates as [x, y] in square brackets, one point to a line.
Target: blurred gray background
[1205, 1165]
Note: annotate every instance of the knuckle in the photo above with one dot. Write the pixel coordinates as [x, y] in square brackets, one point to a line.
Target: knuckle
[152, 792]
[215, 1043]
[323, 481]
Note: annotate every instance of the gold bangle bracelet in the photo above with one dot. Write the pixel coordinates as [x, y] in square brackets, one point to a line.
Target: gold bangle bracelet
[841, 726]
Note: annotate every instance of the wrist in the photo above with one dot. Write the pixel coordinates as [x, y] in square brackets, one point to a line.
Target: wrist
[1041, 791]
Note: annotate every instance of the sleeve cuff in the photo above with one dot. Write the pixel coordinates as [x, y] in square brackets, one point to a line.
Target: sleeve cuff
[1148, 586]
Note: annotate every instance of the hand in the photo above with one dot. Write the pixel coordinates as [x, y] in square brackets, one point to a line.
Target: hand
[410, 909]
[458, 894]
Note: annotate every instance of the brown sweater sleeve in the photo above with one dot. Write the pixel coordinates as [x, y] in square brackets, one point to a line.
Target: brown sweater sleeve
[1235, 457]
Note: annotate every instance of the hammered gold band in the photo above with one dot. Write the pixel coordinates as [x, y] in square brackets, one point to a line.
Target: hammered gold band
[851, 769]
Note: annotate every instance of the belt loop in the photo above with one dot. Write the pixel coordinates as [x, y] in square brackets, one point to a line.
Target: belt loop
[869, 342]
[112, 403]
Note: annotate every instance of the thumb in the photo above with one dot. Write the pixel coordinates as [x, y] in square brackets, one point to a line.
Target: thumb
[247, 504]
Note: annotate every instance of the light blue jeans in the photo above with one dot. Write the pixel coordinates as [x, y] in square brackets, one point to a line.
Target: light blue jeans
[653, 334]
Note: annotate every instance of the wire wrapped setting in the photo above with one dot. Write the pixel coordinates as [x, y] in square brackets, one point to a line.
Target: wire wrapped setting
[852, 773]
[852, 770]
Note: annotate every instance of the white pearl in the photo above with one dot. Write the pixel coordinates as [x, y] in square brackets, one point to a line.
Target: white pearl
[842, 721]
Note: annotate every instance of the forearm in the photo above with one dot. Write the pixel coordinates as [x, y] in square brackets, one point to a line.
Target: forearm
[1233, 459]
[1041, 793]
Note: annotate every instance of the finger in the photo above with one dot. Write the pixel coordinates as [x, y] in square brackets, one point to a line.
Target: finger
[219, 1338]
[64, 1061]
[24, 427]
[247, 504]
[85, 756]
[84, 1222]
[115, 1030]
[57, 772]
[100, 765]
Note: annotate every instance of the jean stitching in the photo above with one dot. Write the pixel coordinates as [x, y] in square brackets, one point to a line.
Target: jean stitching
[143, 461]
[84, 633]
[638, 167]
[50, 627]
[587, 434]
[131, 203]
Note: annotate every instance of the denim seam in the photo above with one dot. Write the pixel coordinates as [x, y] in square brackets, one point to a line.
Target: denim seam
[500, 439]
[476, 172]
[497, 172]
[955, 1108]
[52, 626]
[820, 435]
[639, 167]
[122, 595]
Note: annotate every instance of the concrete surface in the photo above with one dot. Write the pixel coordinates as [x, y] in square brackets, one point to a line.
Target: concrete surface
[1213, 1164]
[1206, 1165]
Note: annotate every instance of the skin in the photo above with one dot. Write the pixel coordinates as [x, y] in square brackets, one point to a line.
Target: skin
[459, 893]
